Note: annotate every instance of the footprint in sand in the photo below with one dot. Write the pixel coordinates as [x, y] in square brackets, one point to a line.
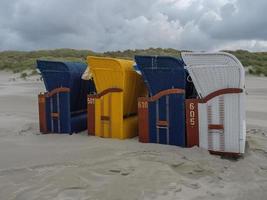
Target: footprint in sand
[190, 170]
[29, 129]
[123, 172]
[174, 187]
[262, 170]
[263, 167]
[73, 193]
[115, 170]
[261, 152]
[192, 185]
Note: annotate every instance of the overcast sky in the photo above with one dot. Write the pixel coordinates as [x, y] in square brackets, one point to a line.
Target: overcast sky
[104, 25]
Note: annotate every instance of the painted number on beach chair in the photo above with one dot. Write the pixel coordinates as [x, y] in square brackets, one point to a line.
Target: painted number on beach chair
[192, 114]
[142, 104]
[90, 100]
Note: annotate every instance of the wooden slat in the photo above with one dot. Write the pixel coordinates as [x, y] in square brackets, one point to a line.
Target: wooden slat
[78, 111]
[91, 115]
[226, 154]
[56, 91]
[216, 127]
[110, 113]
[143, 120]
[105, 118]
[109, 90]
[162, 123]
[163, 93]
[192, 126]
[42, 113]
[220, 92]
[55, 115]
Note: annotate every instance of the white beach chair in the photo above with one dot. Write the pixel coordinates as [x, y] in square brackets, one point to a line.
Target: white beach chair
[219, 79]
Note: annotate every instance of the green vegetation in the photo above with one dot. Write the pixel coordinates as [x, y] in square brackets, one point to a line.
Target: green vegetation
[20, 61]
[129, 54]
[256, 62]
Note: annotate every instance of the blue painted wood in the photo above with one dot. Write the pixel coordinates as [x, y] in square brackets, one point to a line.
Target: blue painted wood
[161, 73]
[64, 113]
[66, 74]
[176, 120]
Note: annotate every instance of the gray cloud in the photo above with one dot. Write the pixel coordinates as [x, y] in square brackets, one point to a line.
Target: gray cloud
[103, 25]
[242, 20]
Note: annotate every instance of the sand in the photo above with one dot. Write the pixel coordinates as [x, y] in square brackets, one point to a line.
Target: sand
[35, 166]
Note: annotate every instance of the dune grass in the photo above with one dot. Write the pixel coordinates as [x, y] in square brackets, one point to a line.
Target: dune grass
[21, 61]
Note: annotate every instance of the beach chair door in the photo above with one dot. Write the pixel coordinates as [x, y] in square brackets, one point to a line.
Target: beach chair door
[166, 120]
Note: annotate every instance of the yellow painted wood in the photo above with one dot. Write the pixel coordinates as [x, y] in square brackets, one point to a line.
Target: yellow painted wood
[98, 126]
[116, 116]
[130, 126]
[118, 108]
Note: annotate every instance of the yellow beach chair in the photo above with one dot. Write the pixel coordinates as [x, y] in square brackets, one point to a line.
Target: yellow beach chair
[113, 110]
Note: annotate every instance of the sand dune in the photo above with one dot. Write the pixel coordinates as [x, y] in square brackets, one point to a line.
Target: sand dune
[34, 166]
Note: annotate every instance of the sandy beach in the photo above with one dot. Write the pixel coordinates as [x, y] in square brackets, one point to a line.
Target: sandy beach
[79, 167]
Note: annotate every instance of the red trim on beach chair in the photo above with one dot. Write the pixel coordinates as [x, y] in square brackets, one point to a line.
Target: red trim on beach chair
[42, 113]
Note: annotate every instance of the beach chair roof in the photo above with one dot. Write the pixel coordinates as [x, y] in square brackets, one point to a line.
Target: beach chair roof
[214, 71]
[161, 72]
[63, 74]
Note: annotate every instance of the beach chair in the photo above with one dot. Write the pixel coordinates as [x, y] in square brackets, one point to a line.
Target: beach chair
[112, 112]
[216, 120]
[162, 114]
[62, 108]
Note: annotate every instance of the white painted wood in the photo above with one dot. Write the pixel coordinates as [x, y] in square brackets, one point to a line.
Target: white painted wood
[211, 72]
